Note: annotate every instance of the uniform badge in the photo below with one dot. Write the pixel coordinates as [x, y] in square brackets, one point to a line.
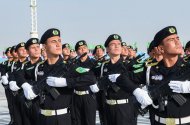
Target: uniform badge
[105, 70]
[40, 73]
[22, 44]
[172, 30]
[80, 43]
[157, 77]
[55, 32]
[116, 37]
[34, 41]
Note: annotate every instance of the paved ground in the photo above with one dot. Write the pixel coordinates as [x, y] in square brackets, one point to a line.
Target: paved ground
[4, 114]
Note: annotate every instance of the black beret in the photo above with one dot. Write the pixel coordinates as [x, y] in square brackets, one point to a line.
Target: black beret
[97, 47]
[80, 43]
[22, 44]
[66, 45]
[31, 41]
[187, 45]
[123, 44]
[7, 50]
[49, 33]
[151, 47]
[13, 48]
[129, 47]
[112, 37]
[167, 31]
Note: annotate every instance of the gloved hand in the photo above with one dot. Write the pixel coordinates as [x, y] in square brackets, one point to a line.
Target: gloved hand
[28, 92]
[56, 82]
[142, 97]
[94, 88]
[113, 77]
[180, 86]
[5, 80]
[13, 86]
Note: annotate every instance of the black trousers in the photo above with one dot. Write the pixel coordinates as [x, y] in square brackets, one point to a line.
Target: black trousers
[18, 119]
[85, 109]
[64, 119]
[9, 97]
[30, 115]
[101, 102]
[121, 114]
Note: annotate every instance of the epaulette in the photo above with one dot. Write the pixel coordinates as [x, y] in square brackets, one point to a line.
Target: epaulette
[40, 63]
[152, 62]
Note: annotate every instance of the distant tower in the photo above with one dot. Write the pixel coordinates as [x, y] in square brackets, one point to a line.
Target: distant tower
[33, 7]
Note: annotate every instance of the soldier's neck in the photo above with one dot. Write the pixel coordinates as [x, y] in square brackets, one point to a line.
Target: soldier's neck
[114, 59]
[65, 57]
[52, 60]
[22, 59]
[83, 59]
[34, 60]
[170, 61]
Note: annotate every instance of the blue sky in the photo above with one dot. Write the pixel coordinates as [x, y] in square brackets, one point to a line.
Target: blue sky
[94, 20]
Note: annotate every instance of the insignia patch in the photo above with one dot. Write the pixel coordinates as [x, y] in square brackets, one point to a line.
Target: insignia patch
[105, 70]
[40, 73]
[22, 44]
[55, 32]
[116, 37]
[172, 30]
[81, 43]
[34, 41]
[82, 70]
[157, 77]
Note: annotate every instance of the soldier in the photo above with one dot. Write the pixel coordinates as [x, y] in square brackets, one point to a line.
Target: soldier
[73, 54]
[99, 56]
[120, 109]
[187, 48]
[125, 51]
[53, 84]
[66, 54]
[16, 91]
[84, 101]
[170, 73]
[25, 74]
[5, 67]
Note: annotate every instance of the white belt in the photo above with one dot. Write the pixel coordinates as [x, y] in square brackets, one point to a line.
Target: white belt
[114, 102]
[183, 120]
[53, 112]
[81, 92]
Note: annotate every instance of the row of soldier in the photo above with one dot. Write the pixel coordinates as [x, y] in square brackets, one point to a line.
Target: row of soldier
[67, 90]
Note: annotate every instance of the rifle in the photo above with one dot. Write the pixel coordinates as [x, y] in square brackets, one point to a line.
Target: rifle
[162, 90]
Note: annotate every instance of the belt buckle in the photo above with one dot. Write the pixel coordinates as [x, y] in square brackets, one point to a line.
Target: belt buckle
[48, 112]
[170, 121]
[112, 102]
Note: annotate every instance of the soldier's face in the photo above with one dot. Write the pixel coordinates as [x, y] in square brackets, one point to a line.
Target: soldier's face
[82, 49]
[114, 48]
[9, 55]
[22, 52]
[66, 51]
[34, 51]
[124, 51]
[53, 46]
[99, 52]
[15, 55]
[171, 45]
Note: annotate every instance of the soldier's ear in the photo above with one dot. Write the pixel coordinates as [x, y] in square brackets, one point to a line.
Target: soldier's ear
[160, 49]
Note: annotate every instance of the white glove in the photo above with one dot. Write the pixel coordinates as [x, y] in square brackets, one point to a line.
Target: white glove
[5, 80]
[56, 82]
[113, 77]
[142, 97]
[180, 86]
[13, 86]
[28, 92]
[94, 88]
